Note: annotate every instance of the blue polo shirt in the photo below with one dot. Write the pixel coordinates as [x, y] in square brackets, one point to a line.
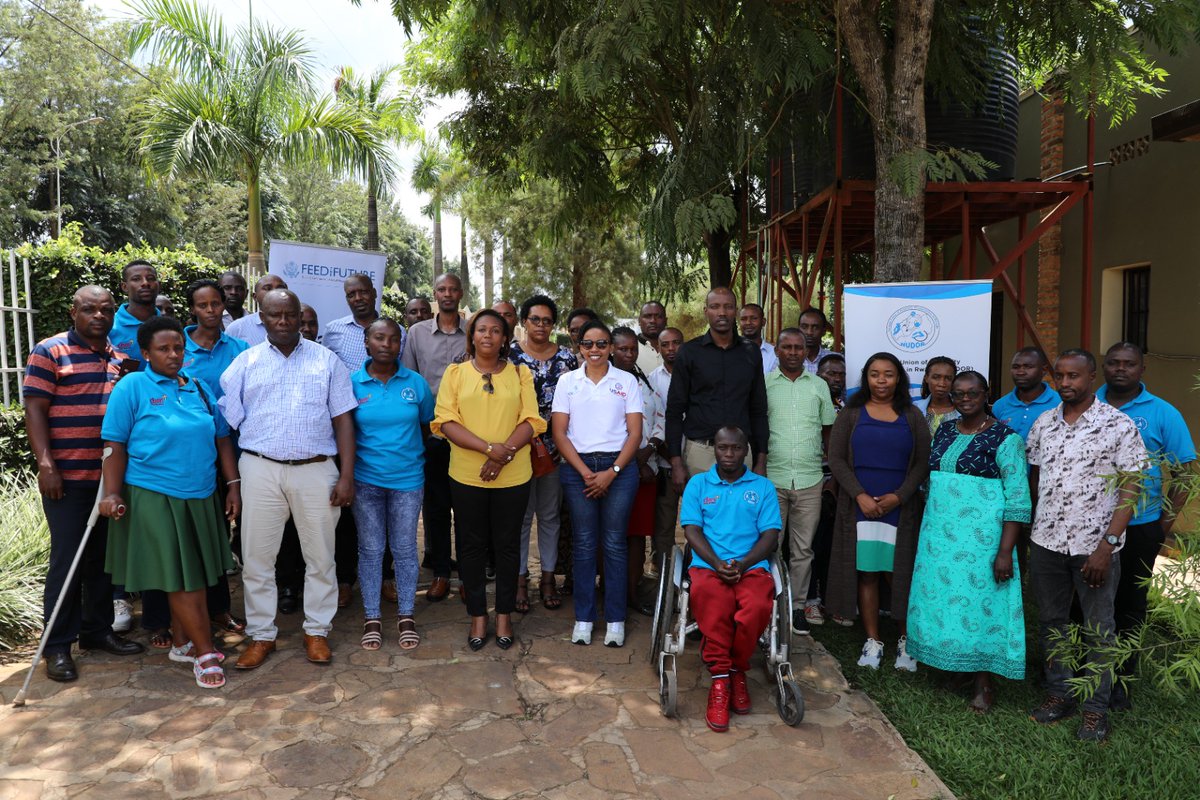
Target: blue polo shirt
[389, 446]
[123, 335]
[1166, 437]
[207, 365]
[169, 432]
[732, 515]
[1019, 415]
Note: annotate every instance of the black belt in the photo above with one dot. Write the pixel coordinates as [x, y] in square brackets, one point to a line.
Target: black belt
[295, 462]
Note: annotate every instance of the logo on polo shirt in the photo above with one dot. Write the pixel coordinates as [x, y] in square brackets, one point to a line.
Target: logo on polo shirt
[363, 400]
[125, 345]
[751, 497]
[1141, 422]
[409, 394]
[618, 389]
[708, 501]
[187, 362]
[158, 401]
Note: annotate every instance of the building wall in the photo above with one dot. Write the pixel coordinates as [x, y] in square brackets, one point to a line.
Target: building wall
[1147, 211]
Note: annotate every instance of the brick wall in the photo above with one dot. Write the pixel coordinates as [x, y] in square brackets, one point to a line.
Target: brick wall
[1050, 249]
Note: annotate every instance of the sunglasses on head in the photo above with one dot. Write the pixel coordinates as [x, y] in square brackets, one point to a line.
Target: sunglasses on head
[588, 344]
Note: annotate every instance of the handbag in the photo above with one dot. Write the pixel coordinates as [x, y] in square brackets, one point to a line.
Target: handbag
[543, 462]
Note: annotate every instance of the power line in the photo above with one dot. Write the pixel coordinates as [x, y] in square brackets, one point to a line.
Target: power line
[89, 40]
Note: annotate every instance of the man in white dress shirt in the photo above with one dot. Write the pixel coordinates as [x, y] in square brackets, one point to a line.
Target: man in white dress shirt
[751, 320]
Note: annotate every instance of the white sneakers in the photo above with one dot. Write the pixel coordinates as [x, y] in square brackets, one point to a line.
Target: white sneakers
[903, 660]
[614, 635]
[812, 612]
[582, 634]
[872, 654]
[122, 616]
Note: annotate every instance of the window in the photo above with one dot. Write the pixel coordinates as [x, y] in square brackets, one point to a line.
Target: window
[1136, 306]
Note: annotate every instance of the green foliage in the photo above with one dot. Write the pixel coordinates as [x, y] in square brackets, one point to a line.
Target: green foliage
[24, 555]
[15, 458]
[911, 169]
[60, 266]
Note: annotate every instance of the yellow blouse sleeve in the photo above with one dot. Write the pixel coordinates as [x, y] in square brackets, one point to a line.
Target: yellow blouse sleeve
[529, 406]
[447, 409]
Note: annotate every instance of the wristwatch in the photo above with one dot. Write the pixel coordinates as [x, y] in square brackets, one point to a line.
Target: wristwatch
[616, 468]
[1113, 540]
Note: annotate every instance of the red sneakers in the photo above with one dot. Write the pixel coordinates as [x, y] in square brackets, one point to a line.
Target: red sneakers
[718, 705]
[741, 693]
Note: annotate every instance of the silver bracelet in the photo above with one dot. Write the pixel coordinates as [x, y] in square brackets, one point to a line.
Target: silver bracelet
[232, 482]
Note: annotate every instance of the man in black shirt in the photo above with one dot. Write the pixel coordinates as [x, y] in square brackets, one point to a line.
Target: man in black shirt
[717, 381]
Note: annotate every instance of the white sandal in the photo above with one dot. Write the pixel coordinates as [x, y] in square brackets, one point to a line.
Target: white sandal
[200, 671]
[184, 654]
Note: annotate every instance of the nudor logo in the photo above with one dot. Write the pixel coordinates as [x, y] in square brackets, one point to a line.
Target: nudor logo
[913, 328]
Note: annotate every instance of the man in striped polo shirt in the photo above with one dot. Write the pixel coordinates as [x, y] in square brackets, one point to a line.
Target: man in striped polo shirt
[67, 382]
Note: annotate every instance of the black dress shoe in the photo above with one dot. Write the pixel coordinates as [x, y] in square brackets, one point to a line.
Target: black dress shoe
[112, 643]
[289, 600]
[61, 667]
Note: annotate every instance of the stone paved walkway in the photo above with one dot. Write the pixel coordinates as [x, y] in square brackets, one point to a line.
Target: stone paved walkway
[545, 719]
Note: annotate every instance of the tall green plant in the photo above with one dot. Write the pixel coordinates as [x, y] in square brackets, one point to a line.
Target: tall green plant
[24, 554]
[393, 114]
[241, 102]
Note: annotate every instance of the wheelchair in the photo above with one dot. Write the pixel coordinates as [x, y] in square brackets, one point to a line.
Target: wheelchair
[672, 626]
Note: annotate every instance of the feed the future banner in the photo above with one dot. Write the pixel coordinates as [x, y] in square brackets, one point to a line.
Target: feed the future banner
[316, 273]
[917, 321]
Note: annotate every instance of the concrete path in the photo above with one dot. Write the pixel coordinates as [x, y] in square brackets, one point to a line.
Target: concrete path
[545, 719]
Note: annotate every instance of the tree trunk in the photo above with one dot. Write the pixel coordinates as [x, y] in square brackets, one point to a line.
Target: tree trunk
[720, 266]
[488, 265]
[892, 76]
[255, 263]
[463, 272]
[579, 269]
[437, 242]
[372, 220]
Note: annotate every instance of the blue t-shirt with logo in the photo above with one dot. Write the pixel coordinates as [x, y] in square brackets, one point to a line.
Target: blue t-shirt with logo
[1166, 437]
[389, 445]
[169, 432]
[1019, 415]
[123, 335]
[207, 365]
[732, 515]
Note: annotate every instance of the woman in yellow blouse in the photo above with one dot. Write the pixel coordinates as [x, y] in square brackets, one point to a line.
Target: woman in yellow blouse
[487, 409]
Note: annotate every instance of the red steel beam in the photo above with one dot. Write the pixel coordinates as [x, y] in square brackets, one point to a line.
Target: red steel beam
[1057, 213]
[1085, 335]
[1023, 318]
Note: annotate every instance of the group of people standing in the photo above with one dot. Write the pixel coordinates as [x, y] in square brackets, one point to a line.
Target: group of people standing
[336, 449]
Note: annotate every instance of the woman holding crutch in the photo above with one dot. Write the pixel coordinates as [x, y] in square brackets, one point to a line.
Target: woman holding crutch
[172, 536]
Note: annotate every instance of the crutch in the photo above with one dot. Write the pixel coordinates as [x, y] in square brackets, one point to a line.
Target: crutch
[19, 700]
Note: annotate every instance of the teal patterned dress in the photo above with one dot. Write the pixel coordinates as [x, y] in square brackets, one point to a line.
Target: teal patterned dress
[959, 618]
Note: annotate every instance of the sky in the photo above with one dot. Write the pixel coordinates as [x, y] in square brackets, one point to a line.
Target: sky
[364, 37]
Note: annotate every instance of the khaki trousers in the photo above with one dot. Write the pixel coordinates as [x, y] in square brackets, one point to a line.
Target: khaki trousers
[271, 492]
[801, 513]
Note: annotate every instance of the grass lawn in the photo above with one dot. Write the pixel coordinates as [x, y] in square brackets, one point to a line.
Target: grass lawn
[1153, 751]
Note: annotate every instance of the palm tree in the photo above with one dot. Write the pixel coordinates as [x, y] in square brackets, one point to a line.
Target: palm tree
[241, 103]
[439, 173]
[393, 114]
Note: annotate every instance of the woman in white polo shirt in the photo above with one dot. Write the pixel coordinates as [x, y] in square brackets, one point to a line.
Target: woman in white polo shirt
[597, 424]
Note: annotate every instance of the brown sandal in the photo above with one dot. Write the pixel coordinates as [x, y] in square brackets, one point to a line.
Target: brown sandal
[372, 638]
[521, 605]
[409, 638]
[548, 589]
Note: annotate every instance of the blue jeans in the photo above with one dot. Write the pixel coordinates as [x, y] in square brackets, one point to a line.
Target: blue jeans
[599, 523]
[387, 517]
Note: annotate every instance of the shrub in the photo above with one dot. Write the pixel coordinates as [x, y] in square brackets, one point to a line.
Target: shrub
[24, 556]
[15, 458]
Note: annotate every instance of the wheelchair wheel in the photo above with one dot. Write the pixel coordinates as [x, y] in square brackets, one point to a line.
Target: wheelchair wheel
[790, 702]
[668, 692]
[661, 615]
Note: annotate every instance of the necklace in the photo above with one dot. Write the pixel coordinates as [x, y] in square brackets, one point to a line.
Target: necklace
[982, 425]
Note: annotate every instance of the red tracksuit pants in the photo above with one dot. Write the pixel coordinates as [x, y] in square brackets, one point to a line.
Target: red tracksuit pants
[732, 617]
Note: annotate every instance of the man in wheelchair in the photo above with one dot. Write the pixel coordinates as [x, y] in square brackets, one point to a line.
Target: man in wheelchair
[731, 520]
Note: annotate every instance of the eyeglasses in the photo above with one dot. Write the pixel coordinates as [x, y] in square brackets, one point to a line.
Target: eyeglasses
[539, 321]
[487, 383]
[588, 344]
[970, 394]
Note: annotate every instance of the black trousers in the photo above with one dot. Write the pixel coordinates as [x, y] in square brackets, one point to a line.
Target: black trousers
[87, 608]
[437, 508]
[489, 519]
[822, 547]
[289, 564]
[1142, 543]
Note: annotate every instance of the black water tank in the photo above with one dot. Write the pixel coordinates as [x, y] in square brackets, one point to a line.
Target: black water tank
[987, 127]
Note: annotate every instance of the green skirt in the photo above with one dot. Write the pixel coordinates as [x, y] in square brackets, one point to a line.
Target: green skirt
[167, 543]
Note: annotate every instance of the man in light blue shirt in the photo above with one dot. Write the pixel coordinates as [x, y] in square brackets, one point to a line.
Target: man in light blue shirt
[290, 399]
[250, 328]
[139, 282]
[1168, 443]
[751, 320]
[1031, 396]
[346, 335]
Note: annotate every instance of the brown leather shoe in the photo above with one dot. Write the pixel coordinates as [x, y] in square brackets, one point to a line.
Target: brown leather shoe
[254, 655]
[345, 593]
[438, 590]
[316, 649]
